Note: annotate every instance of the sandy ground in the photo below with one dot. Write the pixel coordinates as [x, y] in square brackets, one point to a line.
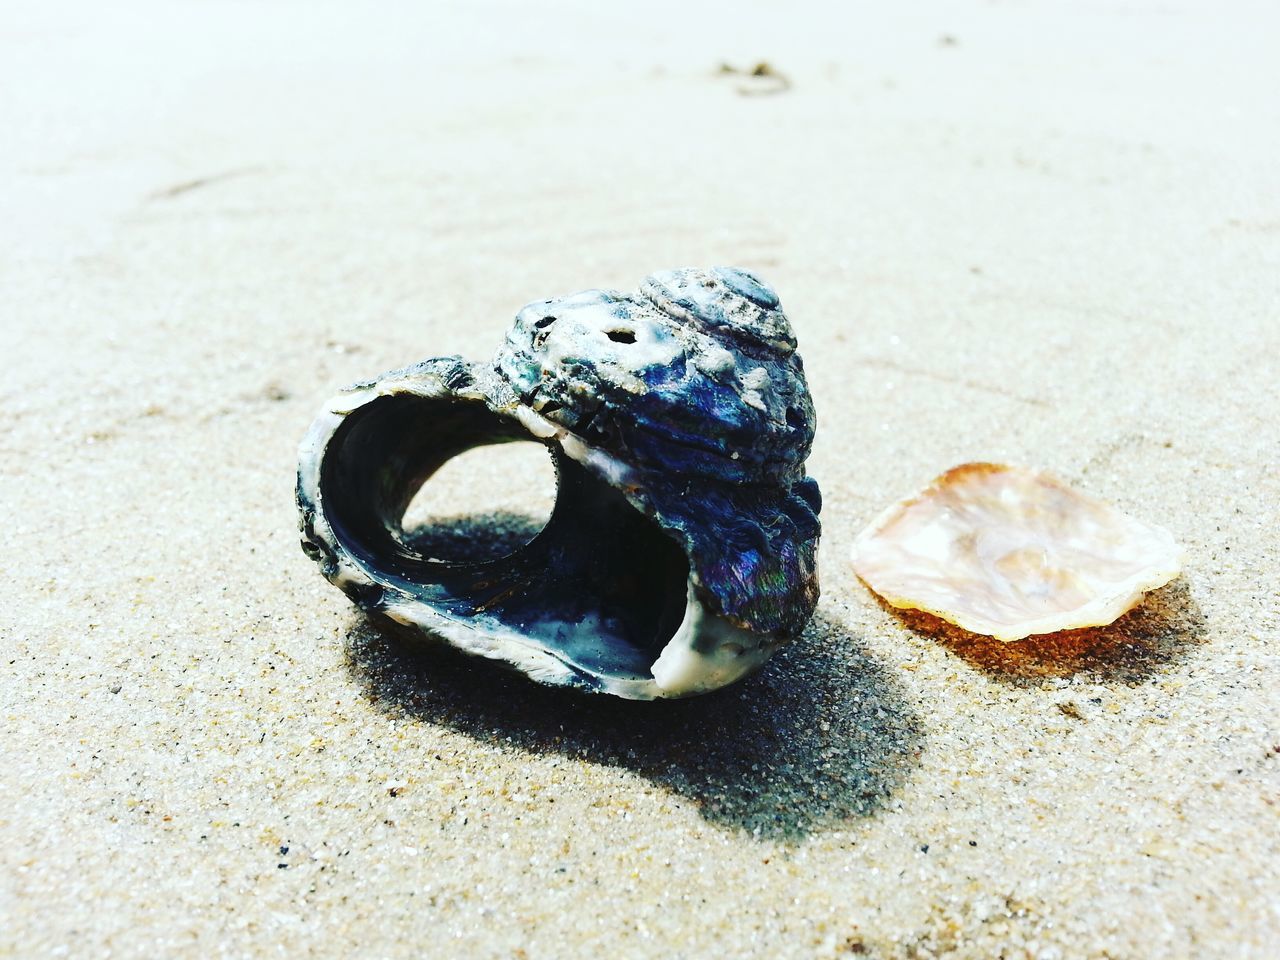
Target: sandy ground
[1048, 234]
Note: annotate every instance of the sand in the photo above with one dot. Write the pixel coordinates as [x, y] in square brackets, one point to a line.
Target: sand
[1044, 234]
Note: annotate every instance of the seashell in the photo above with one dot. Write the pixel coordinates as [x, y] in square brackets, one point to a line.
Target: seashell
[681, 549]
[1010, 552]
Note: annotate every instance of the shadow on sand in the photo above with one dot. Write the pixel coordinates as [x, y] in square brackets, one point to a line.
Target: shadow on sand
[821, 736]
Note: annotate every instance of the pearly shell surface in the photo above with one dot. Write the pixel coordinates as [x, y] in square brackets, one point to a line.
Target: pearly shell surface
[1010, 552]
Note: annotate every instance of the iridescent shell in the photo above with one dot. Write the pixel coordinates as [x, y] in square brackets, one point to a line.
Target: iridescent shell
[1010, 552]
[680, 552]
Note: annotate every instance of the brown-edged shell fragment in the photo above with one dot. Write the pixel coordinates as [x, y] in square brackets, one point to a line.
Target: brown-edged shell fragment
[1010, 552]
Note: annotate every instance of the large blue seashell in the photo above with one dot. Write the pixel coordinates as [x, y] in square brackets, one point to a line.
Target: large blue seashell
[681, 551]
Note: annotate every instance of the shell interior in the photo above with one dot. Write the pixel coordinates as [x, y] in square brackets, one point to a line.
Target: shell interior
[609, 606]
[1010, 552]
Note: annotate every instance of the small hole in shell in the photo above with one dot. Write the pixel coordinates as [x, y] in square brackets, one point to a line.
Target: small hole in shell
[795, 419]
[544, 322]
[622, 336]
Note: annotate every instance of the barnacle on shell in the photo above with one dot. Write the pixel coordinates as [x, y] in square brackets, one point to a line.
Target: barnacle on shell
[1010, 552]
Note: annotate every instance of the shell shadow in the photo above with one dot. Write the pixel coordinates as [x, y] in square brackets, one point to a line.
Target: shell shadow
[1144, 641]
[820, 737]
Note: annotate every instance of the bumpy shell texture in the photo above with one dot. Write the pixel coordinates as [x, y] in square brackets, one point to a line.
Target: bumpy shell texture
[693, 401]
[1010, 552]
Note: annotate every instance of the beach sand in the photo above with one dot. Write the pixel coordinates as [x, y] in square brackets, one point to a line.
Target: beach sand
[1041, 234]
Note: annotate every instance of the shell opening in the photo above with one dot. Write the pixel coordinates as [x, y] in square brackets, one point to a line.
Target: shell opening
[483, 504]
[601, 586]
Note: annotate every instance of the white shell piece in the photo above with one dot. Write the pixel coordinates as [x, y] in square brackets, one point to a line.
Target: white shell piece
[1010, 552]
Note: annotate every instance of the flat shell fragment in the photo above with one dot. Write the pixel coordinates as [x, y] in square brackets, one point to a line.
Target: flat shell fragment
[1010, 552]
